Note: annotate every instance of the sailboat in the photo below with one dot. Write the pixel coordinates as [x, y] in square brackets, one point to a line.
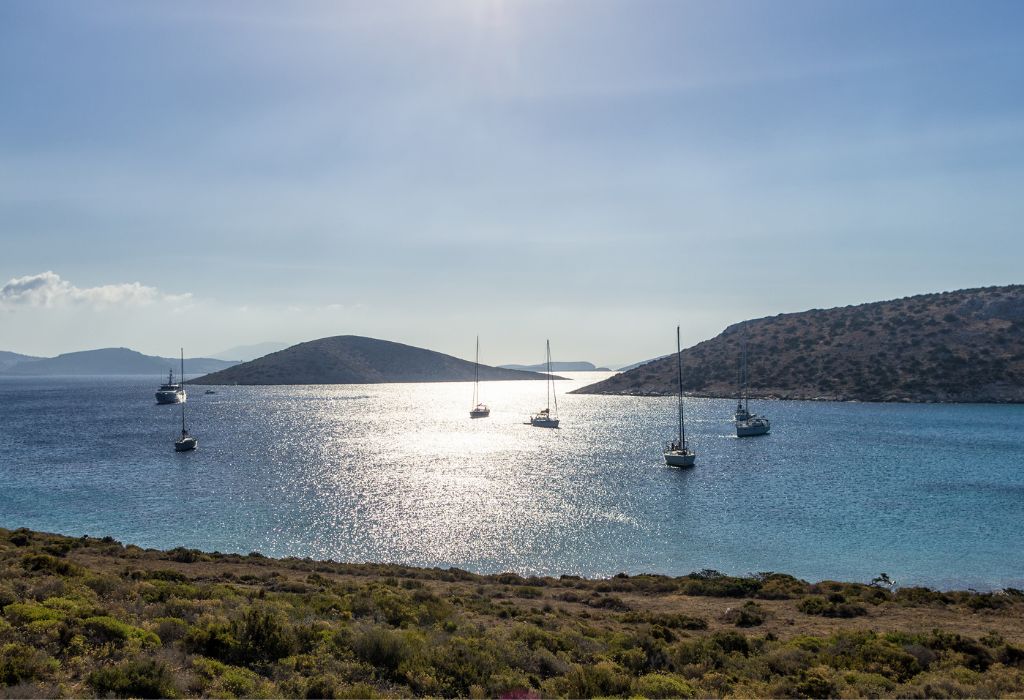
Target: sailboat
[479, 410]
[678, 453]
[747, 424]
[544, 418]
[186, 442]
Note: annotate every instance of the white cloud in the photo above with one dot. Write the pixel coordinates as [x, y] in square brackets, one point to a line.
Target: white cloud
[48, 290]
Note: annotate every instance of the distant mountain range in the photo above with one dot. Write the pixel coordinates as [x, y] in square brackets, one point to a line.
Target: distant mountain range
[963, 346]
[352, 359]
[108, 361]
[9, 359]
[559, 367]
[244, 353]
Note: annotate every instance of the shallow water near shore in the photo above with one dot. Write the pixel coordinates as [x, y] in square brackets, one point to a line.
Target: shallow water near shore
[930, 494]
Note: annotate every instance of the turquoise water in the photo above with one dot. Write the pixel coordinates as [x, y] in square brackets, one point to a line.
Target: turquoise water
[930, 494]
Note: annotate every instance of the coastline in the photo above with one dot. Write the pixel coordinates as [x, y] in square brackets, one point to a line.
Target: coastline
[92, 617]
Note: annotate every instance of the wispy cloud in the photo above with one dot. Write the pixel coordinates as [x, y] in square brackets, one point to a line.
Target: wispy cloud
[49, 290]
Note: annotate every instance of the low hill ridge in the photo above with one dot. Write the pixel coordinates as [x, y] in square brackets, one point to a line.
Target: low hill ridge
[111, 361]
[962, 346]
[353, 359]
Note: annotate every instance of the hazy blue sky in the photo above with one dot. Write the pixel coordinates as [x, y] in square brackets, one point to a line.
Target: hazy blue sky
[213, 174]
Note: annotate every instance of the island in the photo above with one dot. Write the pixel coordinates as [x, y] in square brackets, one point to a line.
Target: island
[110, 361]
[560, 367]
[90, 617]
[963, 346]
[353, 359]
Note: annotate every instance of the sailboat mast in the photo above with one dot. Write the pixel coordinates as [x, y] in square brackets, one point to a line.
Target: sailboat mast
[679, 363]
[183, 390]
[746, 398]
[476, 379]
[548, 383]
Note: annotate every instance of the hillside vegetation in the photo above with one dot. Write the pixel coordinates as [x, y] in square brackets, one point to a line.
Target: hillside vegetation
[964, 346]
[353, 359]
[85, 617]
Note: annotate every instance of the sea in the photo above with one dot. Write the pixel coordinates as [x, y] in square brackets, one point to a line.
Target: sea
[930, 494]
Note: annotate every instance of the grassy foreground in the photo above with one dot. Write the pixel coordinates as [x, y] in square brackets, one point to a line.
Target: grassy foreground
[90, 617]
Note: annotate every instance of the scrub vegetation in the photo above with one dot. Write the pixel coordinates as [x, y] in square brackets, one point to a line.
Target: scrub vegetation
[90, 617]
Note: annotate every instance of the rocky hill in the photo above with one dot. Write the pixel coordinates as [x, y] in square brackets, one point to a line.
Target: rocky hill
[352, 359]
[111, 361]
[963, 346]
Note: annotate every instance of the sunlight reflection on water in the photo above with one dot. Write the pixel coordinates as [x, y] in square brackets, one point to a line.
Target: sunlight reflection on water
[400, 473]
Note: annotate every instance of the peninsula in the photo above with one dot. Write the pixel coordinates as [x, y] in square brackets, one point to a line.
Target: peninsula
[353, 359]
[962, 346]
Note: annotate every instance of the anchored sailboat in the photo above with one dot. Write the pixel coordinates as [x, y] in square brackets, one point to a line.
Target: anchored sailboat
[544, 418]
[678, 453]
[186, 442]
[747, 424]
[479, 410]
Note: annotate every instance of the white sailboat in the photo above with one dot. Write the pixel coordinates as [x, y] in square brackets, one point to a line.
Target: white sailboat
[747, 423]
[544, 418]
[186, 442]
[678, 452]
[479, 410]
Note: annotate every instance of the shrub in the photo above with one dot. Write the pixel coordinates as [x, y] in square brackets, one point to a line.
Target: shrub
[20, 663]
[262, 637]
[660, 685]
[145, 678]
[750, 614]
[816, 605]
[105, 629]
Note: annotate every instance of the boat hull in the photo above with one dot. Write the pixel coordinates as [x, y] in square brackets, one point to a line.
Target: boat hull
[479, 414]
[544, 422]
[677, 458]
[186, 444]
[165, 397]
[752, 428]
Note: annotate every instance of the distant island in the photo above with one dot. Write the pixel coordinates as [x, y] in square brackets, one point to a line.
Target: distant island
[559, 367]
[962, 346]
[9, 359]
[244, 353]
[353, 359]
[108, 361]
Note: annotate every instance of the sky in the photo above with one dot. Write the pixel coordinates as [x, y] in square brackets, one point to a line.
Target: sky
[214, 174]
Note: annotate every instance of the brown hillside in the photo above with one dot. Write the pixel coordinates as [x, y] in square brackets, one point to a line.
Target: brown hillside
[352, 359]
[963, 346]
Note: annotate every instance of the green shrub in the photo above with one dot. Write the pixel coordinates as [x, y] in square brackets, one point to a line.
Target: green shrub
[25, 613]
[104, 629]
[660, 685]
[20, 663]
[142, 678]
[262, 637]
[53, 565]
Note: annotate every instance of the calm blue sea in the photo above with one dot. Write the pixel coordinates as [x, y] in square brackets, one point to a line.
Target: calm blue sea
[930, 494]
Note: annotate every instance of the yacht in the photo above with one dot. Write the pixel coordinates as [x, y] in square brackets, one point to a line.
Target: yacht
[171, 392]
[678, 452]
[545, 418]
[479, 410]
[747, 423]
[186, 442]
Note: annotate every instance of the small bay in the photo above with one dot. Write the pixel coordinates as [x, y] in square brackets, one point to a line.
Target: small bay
[931, 494]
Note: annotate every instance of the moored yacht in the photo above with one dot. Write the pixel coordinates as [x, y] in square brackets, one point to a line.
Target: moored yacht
[480, 409]
[185, 443]
[678, 452]
[171, 392]
[747, 423]
[545, 418]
